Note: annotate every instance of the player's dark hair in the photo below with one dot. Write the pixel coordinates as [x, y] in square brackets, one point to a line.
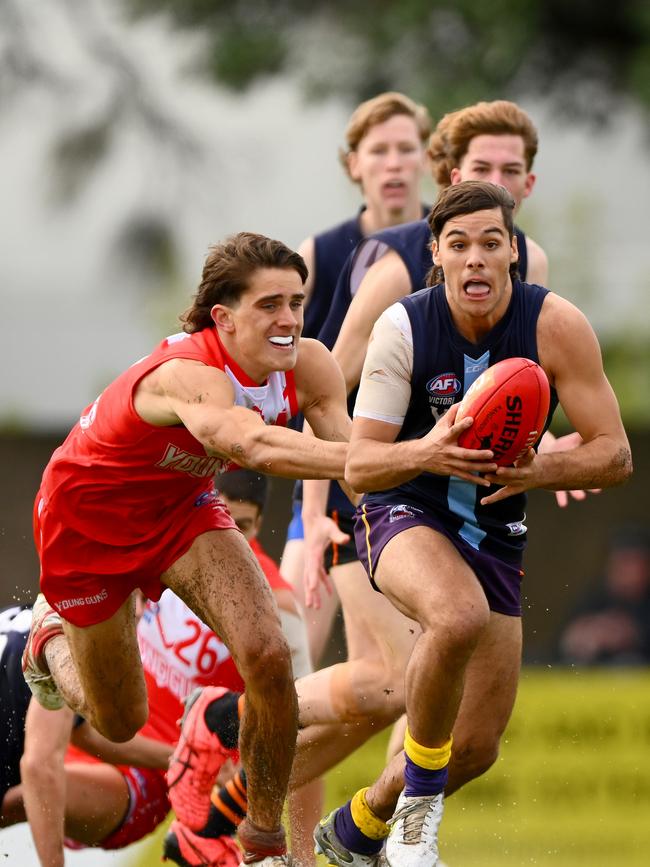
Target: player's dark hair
[246, 486]
[227, 272]
[466, 198]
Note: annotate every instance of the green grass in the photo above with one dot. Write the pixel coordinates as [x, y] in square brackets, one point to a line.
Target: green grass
[571, 787]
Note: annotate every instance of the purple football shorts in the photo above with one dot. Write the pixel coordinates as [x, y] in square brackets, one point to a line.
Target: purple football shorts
[377, 523]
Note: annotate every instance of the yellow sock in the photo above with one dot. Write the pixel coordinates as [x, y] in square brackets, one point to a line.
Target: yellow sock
[365, 820]
[431, 758]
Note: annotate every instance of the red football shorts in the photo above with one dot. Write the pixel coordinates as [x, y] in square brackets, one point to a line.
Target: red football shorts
[86, 581]
[148, 807]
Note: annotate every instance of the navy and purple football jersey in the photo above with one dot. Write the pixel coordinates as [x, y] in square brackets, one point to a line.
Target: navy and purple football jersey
[445, 364]
[412, 243]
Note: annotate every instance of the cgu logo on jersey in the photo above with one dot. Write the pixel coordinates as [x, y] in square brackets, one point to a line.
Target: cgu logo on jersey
[199, 466]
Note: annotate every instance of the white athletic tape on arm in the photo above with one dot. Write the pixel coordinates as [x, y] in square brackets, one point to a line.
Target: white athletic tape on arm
[385, 387]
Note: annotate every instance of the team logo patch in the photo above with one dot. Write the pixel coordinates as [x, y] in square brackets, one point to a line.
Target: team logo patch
[403, 511]
[517, 528]
[444, 385]
[442, 391]
[206, 497]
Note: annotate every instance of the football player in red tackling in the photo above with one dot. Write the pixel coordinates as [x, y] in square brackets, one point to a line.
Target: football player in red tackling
[441, 532]
[128, 501]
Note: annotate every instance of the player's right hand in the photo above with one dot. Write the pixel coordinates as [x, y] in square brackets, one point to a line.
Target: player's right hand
[443, 456]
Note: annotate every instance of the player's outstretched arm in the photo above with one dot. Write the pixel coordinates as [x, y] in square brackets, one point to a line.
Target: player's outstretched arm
[570, 355]
[551, 443]
[47, 734]
[140, 751]
[202, 399]
[385, 283]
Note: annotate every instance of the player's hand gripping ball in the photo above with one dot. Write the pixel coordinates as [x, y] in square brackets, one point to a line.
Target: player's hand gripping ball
[509, 403]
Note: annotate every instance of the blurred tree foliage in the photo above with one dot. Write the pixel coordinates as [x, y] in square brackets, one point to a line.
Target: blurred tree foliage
[583, 54]
[586, 57]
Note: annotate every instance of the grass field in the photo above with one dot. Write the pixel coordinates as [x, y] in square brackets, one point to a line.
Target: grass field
[571, 788]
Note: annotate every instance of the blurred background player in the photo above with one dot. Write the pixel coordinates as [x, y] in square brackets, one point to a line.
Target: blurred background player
[440, 530]
[493, 141]
[385, 156]
[95, 794]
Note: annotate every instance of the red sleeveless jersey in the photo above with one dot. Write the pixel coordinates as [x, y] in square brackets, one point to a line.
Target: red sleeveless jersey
[124, 498]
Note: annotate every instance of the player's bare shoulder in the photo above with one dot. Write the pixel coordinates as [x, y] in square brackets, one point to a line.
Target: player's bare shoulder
[314, 358]
[563, 332]
[167, 376]
[316, 372]
[178, 380]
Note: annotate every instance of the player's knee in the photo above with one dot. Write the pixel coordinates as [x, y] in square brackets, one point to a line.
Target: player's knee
[120, 724]
[457, 635]
[370, 692]
[268, 665]
[471, 758]
[390, 695]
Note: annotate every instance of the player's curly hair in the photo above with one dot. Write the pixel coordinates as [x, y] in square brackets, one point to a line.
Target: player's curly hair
[450, 140]
[227, 272]
[466, 198]
[378, 110]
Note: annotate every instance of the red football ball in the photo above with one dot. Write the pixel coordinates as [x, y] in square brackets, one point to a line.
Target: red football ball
[509, 403]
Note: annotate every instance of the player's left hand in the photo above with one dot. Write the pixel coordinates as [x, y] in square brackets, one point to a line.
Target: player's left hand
[516, 479]
[320, 532]
[550, 444]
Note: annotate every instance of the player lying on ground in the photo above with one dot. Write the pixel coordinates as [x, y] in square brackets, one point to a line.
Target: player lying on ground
[441, 531]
